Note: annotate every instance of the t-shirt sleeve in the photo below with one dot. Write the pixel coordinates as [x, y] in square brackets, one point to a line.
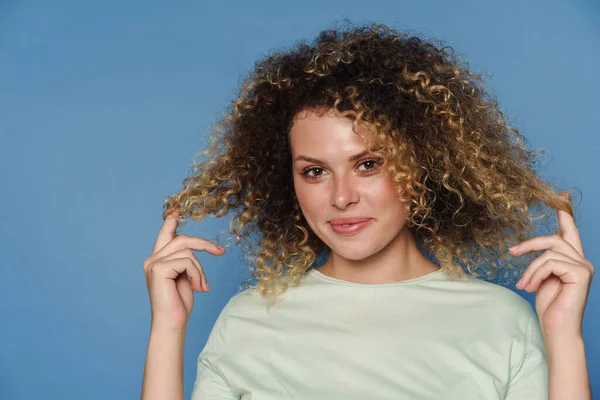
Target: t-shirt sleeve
[529, 378]
[210, 383]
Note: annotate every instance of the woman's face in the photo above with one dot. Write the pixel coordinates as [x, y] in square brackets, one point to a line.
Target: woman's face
[334, 179]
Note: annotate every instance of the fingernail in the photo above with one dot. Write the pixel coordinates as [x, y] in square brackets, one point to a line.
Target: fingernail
[514, 247]
[520, 281]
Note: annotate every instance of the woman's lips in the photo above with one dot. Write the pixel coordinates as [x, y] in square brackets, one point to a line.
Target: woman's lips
[349, 228]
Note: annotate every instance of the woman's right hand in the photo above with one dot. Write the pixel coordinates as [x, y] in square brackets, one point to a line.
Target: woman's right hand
[167, 270]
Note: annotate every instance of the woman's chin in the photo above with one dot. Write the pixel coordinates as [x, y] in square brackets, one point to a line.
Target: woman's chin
[354, 254]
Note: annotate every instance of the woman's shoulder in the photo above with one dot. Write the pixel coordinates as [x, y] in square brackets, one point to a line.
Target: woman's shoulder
[465, 289]
[496, 299]
[244, 302]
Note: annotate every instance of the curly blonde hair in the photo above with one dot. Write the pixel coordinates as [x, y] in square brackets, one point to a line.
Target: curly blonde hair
[467, 176]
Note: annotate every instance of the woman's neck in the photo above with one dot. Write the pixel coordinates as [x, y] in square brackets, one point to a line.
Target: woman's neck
[400, 260]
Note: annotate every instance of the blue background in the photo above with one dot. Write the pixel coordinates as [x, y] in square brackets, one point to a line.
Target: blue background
[104, 104]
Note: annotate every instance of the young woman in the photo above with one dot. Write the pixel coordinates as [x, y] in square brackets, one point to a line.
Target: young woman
[382, 155]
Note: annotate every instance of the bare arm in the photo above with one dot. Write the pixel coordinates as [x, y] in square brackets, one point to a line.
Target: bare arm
[171, 300]
[163, 373]
[567, 370]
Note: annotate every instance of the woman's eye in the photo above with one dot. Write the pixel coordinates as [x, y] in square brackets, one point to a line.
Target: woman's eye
[370, 164]
[313, 172]
[366, 165]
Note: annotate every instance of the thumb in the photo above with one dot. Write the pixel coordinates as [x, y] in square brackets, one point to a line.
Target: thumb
[167, 232]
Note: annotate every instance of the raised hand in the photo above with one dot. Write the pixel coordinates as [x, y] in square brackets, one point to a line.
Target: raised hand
[167, 271]
[561, 276]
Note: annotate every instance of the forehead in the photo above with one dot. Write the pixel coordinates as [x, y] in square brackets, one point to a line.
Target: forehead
[317, 132]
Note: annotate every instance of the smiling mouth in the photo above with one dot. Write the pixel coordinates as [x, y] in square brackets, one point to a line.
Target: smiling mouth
[350, 229]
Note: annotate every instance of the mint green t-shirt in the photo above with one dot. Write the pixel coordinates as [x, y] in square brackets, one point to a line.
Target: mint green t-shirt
[432, 337]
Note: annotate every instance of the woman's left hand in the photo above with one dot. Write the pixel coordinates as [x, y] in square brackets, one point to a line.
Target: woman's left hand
[561, 276]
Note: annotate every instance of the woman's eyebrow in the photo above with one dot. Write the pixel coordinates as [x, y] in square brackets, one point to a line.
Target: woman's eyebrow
[317, 161]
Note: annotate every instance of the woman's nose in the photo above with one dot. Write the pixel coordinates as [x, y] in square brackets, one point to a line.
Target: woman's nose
[344, 192]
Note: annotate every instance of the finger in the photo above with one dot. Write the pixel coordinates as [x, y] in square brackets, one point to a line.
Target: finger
[170, 269]
[536, 263]
[192, 242]
[202, 283]
[183, 283]
[565, 271]
[552, 242]
[569, 230]
[167, 232]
